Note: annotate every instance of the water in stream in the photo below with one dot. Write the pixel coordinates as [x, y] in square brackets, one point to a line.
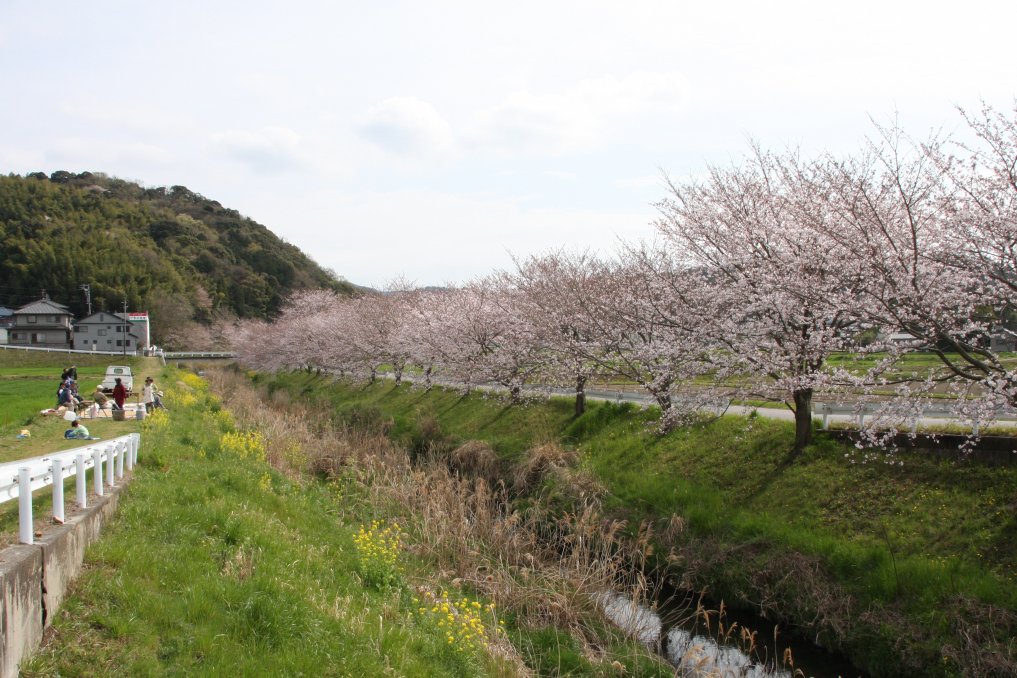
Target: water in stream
[697, 651]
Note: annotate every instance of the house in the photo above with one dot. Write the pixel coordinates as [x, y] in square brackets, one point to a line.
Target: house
[105, 331]
[6, 323]
[42, 323]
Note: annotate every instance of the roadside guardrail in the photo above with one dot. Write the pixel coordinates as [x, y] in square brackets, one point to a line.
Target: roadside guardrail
[107, 458]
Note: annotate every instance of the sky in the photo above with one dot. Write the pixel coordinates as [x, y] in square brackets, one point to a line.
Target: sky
[433, 141]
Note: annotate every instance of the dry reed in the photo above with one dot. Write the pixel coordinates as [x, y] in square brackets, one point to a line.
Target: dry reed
[542, 568]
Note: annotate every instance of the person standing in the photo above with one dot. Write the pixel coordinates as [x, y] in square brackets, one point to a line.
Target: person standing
[148, 395]
[119, 395]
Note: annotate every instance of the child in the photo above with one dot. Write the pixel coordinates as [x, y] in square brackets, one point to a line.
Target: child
[78, 431]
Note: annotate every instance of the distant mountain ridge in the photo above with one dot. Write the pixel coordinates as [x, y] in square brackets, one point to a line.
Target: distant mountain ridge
[183, 257]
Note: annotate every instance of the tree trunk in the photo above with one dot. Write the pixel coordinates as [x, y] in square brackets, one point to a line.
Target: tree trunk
[427, 378]
[803, 419]
[580, 395]
[516, 393]
[399, 375]
[374, 374]
[663, 400]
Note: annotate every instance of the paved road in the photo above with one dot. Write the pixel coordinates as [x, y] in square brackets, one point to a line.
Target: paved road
[827, 413]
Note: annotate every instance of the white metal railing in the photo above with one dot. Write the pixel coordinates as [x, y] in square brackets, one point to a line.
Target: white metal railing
[108, 459]
[198, 354]
[43, 349]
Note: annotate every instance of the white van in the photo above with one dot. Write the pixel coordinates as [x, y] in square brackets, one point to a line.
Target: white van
[114, 371]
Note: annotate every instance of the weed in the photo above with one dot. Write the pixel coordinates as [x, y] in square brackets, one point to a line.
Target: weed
[378, 550]
[249, 445]
[466, 625]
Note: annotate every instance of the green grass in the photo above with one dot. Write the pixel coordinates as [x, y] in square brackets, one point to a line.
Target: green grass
[217, 564]
[910, 537]
[28, 385]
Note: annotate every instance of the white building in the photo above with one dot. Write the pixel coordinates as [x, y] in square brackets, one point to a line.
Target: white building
[104, 331]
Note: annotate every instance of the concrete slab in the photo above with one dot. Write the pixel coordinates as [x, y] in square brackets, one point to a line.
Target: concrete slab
[21, 594]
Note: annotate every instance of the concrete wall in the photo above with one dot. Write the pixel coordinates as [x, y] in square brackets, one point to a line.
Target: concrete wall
[34, 579]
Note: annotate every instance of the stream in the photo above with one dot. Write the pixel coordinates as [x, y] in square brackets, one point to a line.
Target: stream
[681, 636]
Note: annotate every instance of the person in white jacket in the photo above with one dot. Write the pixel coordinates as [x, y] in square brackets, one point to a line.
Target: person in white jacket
[148, 395]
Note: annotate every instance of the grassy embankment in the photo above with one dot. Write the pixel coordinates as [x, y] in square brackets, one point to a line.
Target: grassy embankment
[909, 567]
[219, 563]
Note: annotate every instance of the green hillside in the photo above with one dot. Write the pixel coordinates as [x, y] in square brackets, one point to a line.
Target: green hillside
[181, 256]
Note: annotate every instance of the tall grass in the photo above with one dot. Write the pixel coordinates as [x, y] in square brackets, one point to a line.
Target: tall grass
[888, 563]
[542, 570]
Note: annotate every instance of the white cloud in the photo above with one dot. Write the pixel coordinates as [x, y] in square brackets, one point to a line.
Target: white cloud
[646, 182]
[268, 150]
[635, 93]
[98, 154]
[407, 126]
[578, 117]
[131, 117]
[527, 122]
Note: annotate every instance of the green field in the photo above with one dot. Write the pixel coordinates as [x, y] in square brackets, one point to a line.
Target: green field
[28, 385]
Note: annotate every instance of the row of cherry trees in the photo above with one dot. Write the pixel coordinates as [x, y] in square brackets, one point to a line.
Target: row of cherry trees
[764, 279]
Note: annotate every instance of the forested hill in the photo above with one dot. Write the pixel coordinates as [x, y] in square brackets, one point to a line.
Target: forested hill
[173, 252]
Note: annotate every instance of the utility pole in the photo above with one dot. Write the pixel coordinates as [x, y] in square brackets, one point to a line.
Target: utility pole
[126, 323]
[88, 296]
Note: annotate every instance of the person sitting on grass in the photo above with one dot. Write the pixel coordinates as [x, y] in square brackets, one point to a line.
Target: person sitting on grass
[64, 397]
[78, 431]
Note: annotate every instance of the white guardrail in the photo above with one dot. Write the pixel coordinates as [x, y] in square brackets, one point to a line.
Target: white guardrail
[107, 458]
[43, 349]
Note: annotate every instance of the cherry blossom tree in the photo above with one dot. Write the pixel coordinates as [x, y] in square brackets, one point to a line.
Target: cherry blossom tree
[556, 291]
[935, 232]
[781, 302]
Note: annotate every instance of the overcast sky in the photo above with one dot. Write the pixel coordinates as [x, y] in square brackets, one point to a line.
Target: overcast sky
[431, 140]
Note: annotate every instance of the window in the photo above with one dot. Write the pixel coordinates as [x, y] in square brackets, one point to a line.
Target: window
[102, 333]
[30, 318]
[15, 336]
[38, 338]
[53, 319]
[81, 329]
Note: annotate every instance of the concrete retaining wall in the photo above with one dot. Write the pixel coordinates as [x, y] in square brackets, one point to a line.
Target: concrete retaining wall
[34, 579]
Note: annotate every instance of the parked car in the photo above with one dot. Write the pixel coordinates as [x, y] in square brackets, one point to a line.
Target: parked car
[114, 371]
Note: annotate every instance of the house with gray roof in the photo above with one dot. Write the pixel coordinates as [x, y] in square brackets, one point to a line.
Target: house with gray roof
[43, 323]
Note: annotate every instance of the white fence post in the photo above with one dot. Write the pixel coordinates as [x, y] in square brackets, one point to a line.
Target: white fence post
[79, 479]
[97, 471]
[58, 490]
[18, 479]
[110, 452]
[25, 532]
[826, 416]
